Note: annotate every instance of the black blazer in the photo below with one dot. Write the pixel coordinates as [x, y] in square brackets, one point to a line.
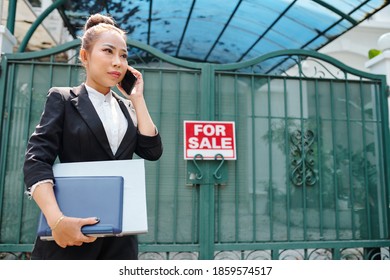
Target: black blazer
[71, 129]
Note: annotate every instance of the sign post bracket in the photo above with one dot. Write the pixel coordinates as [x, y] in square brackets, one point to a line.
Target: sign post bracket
[217, 175]
[207, 172]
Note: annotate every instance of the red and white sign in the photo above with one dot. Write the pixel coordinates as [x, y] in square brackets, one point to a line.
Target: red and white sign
[209, 138]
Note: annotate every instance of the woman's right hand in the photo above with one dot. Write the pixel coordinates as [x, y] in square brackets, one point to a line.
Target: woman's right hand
[68, 231]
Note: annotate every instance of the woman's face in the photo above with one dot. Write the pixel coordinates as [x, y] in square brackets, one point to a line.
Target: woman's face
[106, 62]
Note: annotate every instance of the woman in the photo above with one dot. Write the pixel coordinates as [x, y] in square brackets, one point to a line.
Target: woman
[89, 123]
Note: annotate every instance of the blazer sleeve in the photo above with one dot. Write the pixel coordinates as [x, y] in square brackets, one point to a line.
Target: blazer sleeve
[45, 142]
[149, 147]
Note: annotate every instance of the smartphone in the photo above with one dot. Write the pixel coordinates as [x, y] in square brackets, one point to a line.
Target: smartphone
[128, 82]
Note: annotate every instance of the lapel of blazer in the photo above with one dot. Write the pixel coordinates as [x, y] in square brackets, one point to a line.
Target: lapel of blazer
[126, 141]
[88, 113]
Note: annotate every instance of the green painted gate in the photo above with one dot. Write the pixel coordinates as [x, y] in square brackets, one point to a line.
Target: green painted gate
[312, 171]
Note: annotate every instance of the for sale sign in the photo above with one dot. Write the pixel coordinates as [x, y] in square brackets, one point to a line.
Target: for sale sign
[209, 138]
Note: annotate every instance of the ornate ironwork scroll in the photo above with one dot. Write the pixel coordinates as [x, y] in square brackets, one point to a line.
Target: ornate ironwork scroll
[302, 158]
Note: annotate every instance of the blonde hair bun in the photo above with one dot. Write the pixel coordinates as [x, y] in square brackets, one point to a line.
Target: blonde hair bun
[94, 26]
[97, 19]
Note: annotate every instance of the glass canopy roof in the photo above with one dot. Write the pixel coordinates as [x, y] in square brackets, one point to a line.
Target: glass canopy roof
[226, 31]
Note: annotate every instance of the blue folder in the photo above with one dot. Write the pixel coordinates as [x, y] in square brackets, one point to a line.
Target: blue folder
[89, 196]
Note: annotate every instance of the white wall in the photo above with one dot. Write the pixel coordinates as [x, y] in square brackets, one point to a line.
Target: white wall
[353, 46]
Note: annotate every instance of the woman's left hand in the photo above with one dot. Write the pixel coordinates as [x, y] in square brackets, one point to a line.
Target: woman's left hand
[138, 89]
[145, 123]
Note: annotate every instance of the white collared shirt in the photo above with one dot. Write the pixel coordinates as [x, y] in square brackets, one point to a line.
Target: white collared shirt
[111, 116]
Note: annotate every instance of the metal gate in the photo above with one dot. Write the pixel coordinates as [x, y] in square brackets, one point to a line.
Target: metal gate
[312, 171]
